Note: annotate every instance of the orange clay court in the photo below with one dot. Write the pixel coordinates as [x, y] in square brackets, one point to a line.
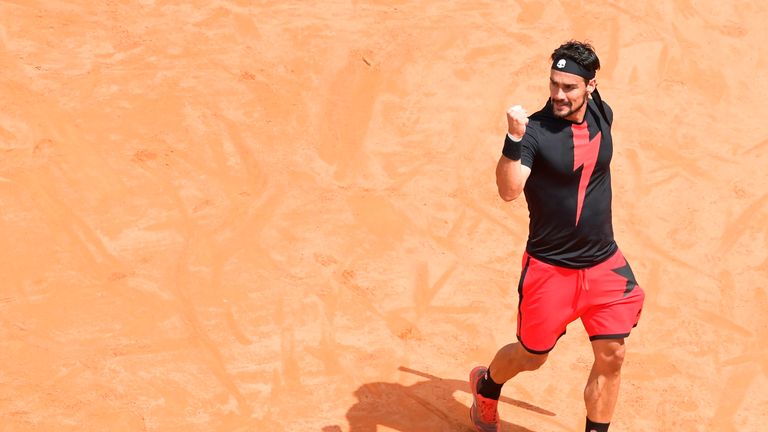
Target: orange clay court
[282, 216]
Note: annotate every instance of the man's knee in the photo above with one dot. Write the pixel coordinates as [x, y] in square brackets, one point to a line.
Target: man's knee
[609, 356]
[530, 361]
[535, 361]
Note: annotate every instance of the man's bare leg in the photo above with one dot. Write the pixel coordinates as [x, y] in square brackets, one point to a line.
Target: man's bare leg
[512, 359]
[602, 389]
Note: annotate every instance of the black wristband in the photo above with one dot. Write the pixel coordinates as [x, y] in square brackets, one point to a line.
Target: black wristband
[597, 427]
[512, 149]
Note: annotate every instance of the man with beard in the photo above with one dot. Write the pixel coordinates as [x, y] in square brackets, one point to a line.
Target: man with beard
[572, 268]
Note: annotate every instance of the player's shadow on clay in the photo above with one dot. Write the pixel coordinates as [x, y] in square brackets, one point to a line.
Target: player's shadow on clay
[427, 406]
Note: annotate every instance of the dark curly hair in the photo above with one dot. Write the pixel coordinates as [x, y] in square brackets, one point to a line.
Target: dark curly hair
[581, 52]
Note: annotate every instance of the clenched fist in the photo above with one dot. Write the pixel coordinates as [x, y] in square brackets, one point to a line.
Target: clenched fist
[517, 118]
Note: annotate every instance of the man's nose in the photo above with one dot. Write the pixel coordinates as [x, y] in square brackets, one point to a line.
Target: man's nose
[558, 93]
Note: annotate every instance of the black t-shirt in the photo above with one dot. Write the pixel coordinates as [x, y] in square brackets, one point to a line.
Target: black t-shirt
[569, 189]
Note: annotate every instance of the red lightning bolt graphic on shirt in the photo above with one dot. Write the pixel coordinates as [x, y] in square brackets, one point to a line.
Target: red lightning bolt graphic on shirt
[584, 154]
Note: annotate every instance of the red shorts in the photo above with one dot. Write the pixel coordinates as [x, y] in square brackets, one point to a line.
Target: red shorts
[606, 297]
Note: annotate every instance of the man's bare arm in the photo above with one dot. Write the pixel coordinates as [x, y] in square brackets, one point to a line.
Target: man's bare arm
[511, 175]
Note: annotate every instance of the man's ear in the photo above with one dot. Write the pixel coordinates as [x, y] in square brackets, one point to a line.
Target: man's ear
[591, 85]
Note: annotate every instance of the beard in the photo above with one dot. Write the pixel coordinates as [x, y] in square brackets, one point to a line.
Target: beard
[571, 109]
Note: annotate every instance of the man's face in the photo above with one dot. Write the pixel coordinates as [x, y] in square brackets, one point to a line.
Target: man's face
[569, 94]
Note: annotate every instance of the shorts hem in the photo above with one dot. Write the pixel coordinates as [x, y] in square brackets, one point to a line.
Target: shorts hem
[609, 336]
[537, 352]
